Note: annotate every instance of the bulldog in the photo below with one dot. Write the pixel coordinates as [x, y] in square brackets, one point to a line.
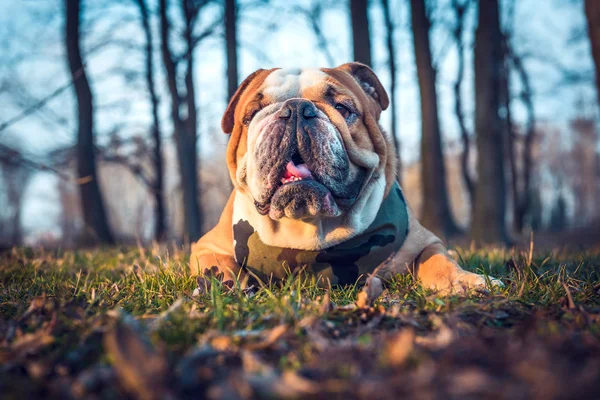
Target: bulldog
[315, 187]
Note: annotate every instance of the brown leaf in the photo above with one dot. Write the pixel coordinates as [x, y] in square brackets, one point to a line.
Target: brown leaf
[293, 385]
[37, 303]
[370, 292]
[252, 364]
[362, 300]
[325, 303]
[269, 337]
[316, 338]
[141, 369]
[289, 385]
[399, 347]
[25, 345]
[440, 339]
[92, 380]
[221, 343]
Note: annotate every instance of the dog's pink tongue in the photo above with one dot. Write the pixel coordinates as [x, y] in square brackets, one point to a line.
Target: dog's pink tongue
[300, 170]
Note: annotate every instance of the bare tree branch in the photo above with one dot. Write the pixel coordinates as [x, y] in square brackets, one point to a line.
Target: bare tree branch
[35, 107]
[313, 15]
[16, 156]
[135, 168]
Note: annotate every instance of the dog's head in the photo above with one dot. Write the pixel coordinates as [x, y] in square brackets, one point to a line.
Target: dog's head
[306, 143]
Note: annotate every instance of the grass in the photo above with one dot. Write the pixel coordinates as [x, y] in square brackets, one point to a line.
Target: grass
[109, 323]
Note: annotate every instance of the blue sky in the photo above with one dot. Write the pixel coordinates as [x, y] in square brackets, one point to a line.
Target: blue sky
[33, 65]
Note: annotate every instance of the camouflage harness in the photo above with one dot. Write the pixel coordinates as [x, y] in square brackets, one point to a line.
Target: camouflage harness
[343, 263]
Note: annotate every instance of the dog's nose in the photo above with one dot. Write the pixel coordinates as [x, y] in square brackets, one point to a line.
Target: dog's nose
[285, 113]
[309, 110]
[302, 107]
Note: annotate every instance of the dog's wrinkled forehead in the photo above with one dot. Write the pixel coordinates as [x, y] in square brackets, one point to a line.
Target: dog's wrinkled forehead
[283, 84]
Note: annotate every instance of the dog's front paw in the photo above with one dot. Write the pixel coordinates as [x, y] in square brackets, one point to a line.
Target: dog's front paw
[465, 281]
[208, 276]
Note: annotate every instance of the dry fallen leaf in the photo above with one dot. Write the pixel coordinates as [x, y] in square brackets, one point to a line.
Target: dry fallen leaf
[370, 292]
[440, 339]
[141, 369]
[399, 347]
[270, 336]
[294, 385]
[92, 379]
[362, 300]
[325, 303]
[25, 345]
[289, 385]
[222, 343]
[252, 364]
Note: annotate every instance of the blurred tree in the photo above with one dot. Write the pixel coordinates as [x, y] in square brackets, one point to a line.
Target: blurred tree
[91, 197]
[183, 106]
[488, 214]
[391, 49]
[460, 9]
[70, 215]
[536, 209]
[361, 39]
[15, 175]
[231, 46]
[592, 14]
[522, 202]
[510, 136]
[558, 217]
[584, 179]
[157, 186]
[520, 172]
[435, 208]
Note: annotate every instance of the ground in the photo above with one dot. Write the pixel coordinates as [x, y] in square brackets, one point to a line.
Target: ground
[125, 323]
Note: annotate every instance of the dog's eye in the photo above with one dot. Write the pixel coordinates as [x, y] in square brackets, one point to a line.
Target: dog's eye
[249, 115]
[343, 110]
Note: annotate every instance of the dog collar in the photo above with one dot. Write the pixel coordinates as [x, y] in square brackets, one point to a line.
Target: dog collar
[343, 263]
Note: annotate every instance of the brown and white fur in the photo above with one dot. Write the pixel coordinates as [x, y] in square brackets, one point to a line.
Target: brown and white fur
[328, 119]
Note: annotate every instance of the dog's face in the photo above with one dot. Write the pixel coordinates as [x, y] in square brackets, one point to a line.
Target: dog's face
[305, 143]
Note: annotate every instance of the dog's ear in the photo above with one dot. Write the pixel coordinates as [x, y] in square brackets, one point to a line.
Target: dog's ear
[368, 81]
[228, 120]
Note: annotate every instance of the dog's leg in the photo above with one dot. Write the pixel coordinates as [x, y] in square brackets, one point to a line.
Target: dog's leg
[223, 268]
[437, 270]
[212, 256]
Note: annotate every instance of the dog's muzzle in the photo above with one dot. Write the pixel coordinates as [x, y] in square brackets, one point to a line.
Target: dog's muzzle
[302, 167]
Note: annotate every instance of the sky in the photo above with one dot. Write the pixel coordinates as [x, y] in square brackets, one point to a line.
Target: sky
[33, 65]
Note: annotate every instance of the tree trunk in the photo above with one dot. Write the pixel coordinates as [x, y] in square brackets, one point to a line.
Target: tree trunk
[185, 128]
[435, 212]
[361, 41]
[160, 225]
[231, 47]
[387, 13]
[460, 10]
[17, 233]
[510, 137]
[592, 14]
[488, 219]
[524, 200]
[92, 203]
